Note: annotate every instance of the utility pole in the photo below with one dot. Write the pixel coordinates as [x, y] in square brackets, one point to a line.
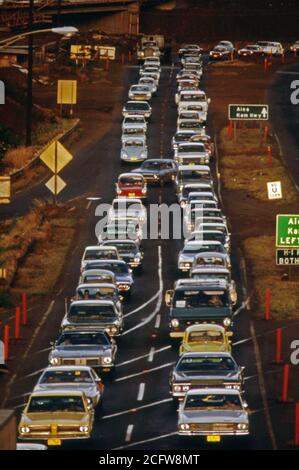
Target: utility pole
[29, 76]
[59, 2]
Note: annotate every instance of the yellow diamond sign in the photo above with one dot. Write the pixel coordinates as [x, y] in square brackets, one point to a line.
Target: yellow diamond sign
[56, 156]
[4, 189]
[55, 184]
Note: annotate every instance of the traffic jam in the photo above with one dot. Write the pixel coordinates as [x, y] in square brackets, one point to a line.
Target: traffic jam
[206, 383]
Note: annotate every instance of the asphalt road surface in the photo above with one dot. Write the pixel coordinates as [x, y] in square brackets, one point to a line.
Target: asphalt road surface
[137, 410]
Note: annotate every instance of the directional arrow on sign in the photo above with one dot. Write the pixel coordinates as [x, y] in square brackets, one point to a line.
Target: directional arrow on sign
[264, 113]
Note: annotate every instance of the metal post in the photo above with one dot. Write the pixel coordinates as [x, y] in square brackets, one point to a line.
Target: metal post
[29, 77]
[59, 2]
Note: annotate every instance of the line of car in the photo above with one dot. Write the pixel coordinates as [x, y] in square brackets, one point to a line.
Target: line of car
[63, 403]
[207, 382]
[226, 50]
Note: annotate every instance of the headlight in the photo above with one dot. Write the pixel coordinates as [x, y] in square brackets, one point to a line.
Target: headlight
[233, 386]
[25, 429]
[176, 388]
[143, 190]
[227, 321]
[175, 323]
[83, 428]
[113, 330]
[136, 260]
[89, 400]
[184, 426]
[125, 155]
[108, 360]
[155, 177]
[54, 361]
[242, 426]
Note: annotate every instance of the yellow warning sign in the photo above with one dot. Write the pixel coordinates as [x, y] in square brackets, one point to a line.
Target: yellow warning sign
[67, 91]
[5, 189]
[56, 184]
[2, 273]
[56, 156]
[80, 51]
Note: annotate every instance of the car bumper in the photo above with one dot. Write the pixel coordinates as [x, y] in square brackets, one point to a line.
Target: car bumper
[213, 433]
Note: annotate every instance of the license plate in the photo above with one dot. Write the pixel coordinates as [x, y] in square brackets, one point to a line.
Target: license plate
[213, 438]
[133, 158]
[81, 362]
[54, 442]
[131, 194]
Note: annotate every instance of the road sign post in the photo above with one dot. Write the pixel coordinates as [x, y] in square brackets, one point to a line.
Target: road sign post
[67, 94]
[56, 157]
[5, 189]
[274, 190]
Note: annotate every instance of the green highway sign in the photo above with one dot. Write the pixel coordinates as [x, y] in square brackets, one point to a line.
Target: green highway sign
[287, 257]
[287, 231]
[248, 112]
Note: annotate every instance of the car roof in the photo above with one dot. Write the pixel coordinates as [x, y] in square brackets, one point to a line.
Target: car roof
[59, 392]
[206, 353]
[203, 242]
[136, 102]
[96, 303]
[62, 368]
[210, 269]
[204, 327]
[128, 199]
[95, 247]
[119, 241]
[96, 285]
[213, 391]
[194, 167]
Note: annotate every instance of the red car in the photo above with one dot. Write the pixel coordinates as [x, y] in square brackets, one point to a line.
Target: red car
[130, 185]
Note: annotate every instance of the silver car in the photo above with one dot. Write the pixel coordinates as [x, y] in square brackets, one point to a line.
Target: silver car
[140, 92]
[84, 348]
[213, 413]
[134, 149]
[192, 153]
[140, 108]
[150, 82]
[134, 123]
[72, 378]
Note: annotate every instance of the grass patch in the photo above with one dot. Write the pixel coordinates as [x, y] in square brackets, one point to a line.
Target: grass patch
[244, 166]
[42, 267]
[260, 255]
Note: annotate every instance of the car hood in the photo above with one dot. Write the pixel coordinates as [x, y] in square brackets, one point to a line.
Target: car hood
[124, 278]
[207, 375]
[80, 351]
[199, 312]
[146, 172]
[211, 416]
[133, 151]
[187, 257]
[86, 388]
[136, 125]
[47, 418]
[204, 347]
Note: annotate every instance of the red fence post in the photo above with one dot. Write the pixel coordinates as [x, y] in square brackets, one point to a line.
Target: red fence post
[17, 323]
[6, 341]
[24, 309]
[285, 384]
[268, 301]
[278, 346]
[269, 153]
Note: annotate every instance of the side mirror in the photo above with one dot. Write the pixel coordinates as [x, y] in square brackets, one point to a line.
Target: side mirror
[168, 297]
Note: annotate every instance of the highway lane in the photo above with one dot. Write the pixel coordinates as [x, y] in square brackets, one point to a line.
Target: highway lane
[133, 412]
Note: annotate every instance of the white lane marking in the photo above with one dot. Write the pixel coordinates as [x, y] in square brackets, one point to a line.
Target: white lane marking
[141, 392]
[129, 432]
[143, 305]
[27, 350]
[242, 306]
[242, 341]
[217, 170]
[134, 410]
[151, 354]
[43, 350]
[22, 405]
[165, 348]
[156, 438]
[262, 386]
[145, 371]
[159, 303]
[286, 72]
[33, 373]
[158, 321]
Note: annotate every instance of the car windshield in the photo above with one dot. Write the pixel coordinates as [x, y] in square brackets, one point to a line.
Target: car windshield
[204, 260]
[66, 376]
[218, 237]
[117, 268]
[91, 278]
[143, 88]
[191, 148]
[155, 165]
[90, 312]
[126, 247]
[192, 249]
[134, 120]
[203, 364]
[98, 292]
[200, 298]
[183, 137]
[213, 402]
[209, 276]
[190, 125]
[205, 336]
[100, 254]
[134, 143]
[130, 180]
[52, 404]
[193, 174]
[125, 204]
[83, 339]
[137, 106]
[193, 97]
